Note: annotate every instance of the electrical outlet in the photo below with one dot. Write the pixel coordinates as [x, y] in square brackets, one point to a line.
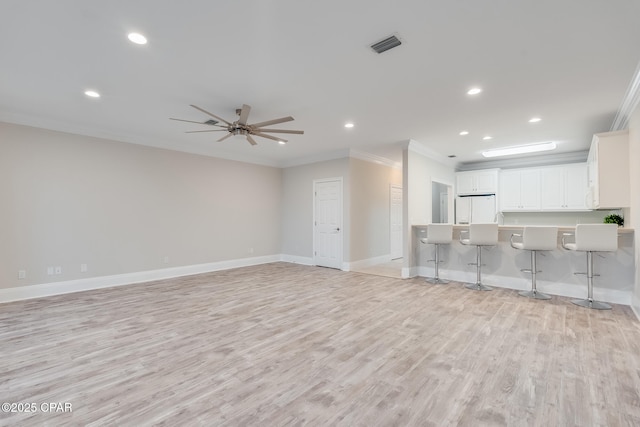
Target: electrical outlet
[50, 271]
[83, 268]
[58, 270]
[22, 274]
[250, 250]
[165, 260]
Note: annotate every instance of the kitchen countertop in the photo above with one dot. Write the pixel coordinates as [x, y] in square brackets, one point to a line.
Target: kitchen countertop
[518, 227]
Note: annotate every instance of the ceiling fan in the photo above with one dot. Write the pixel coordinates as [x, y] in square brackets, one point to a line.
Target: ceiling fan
[241, 127]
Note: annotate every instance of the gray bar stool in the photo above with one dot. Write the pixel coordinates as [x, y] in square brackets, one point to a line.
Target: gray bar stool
[592, 238]
[480, 235]
[438, 234]
[535, 239]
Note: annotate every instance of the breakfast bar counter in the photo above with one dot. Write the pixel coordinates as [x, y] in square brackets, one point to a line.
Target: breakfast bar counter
[503, 264]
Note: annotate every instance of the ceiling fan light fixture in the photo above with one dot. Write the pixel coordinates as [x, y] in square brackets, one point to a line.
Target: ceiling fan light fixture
[349, 125]
[521, 149]
[474, 91]
[92, 94]
[282, 143]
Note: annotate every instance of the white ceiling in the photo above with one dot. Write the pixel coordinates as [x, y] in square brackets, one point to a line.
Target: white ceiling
[569, 62]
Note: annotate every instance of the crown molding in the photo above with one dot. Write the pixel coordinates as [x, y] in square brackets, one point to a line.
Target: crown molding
[527, 161]
[368, 157]
[629, 103]
[418, 147]
[315, 158]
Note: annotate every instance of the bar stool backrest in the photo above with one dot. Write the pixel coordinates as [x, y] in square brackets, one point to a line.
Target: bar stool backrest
[597, 237]
[540, 238]
[439, 233]
[483, 234]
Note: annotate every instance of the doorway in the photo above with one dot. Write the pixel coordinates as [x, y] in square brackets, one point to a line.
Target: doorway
[441, 203]
[327, 223]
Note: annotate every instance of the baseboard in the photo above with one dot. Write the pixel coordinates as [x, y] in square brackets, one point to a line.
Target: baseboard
[571, 290]
[296, 259]
[79, 285]
[364, 263]
[635, 305]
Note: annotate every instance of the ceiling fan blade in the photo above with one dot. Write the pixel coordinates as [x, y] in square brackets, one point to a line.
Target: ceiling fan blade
[251, 140]
[212, 115]
[272, 122]
[299, 132]
[192, 121]
[224, 137]
[208, 130]
[269, 136]
[244, 114]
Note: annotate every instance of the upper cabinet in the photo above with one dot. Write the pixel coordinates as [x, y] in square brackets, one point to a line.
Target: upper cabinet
[564, 187]
[547, 188]
[520, 190]
[477, 182]
[608, 171]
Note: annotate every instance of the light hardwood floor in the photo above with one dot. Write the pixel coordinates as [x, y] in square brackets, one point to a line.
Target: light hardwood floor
[283, 344]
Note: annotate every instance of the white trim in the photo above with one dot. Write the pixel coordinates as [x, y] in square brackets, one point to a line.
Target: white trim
[364, 263]
[527, 161]
[78, 285]
[629, 103]
[294, 259]
[419, 148]
[571, 290]
[635, 305]
[315, 158]
[372, 158]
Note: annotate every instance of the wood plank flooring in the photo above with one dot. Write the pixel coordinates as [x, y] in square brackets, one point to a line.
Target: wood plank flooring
[288, 345]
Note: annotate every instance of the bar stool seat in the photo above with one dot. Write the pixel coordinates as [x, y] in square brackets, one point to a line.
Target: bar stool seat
[535, 239]
[480, 235]
[438, 234]
[592, 238]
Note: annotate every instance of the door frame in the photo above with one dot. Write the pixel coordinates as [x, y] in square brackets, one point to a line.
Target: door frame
[341, 209]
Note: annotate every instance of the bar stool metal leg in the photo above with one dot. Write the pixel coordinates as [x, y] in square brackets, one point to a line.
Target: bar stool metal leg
[533, 293]
[478, 286]
[437, 280]
[589, 302]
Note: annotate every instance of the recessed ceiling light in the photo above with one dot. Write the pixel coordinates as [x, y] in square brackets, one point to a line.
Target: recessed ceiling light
[474, 91]
[349, 125]
[522, 149]
[92, 93]
[534, 119]
[137, 38]
[486, 138]
[281, 142]
[464, 132]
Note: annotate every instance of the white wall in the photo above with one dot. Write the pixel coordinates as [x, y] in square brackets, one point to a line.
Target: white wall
[297, 206]
[120, 208]
[419, 171]
[633, 218]
[370, 208]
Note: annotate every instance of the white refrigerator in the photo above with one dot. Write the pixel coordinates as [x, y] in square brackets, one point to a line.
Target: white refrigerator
[476, 209]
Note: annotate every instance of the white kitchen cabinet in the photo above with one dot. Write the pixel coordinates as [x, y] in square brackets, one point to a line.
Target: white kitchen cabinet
[608, 171]
[519, 190]
[564, 188]
[477, 182]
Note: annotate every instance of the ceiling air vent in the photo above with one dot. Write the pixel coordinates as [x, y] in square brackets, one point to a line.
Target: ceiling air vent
[211, 122]
[386, 44]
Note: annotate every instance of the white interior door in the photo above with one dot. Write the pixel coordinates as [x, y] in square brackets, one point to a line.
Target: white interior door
[395, 233]
[327, 223]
